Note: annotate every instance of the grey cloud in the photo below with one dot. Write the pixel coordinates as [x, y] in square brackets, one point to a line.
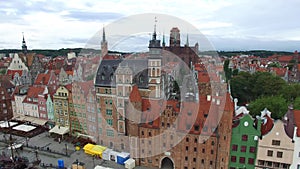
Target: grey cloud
[93, 16]
[261, 18]
[253, 44]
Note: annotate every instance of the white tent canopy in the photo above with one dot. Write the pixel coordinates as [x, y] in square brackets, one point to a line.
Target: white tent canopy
[24, 127]
[101, 167]
[59, 130]
[4, 124]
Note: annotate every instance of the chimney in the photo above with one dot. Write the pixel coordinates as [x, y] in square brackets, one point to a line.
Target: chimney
[235, 103]
[208, 97]
[218, 102]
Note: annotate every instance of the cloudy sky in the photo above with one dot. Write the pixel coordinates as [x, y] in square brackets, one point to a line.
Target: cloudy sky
[228, 24]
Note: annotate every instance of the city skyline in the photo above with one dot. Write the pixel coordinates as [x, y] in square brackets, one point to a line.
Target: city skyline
[228, 24]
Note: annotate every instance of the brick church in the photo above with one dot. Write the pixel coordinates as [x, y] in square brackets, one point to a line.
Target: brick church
[165, 107]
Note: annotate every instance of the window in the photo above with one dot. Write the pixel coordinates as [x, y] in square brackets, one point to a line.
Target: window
[109, 121]
[110, 133]
[195, 149]
[202, 161]
[279, 154]
[270, 153]
[210, 162]
[194, 159]
[211, 151]
[234, 147]
[251, 161]
[242, 160]
[244, 137]
[233, 158]
[252, 150]
[212, 143]
[275, 142]
[243, 148]
[196, 140]
[108, 112]
[187, 139]
[186, 148]
[150, 134]
[203, 150]
[186, 158]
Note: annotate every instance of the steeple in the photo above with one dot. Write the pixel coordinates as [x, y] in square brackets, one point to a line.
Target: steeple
[103, 35]
[164, 42]
[187, 40]
[24, 47]
[104, 49]
[154, 43]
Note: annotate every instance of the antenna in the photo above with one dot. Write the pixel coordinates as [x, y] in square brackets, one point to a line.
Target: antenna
[155, 21]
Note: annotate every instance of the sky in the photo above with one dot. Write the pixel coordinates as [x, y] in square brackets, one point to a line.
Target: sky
[227, 24]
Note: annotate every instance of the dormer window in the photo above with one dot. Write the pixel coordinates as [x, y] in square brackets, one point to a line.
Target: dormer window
[141, 79]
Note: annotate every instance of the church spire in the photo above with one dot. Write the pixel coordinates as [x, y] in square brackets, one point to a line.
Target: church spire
[164, 42]
[24, 46]
[187, 40]
[154, 33]
[154, 43]
[104, 49]
[103, 35]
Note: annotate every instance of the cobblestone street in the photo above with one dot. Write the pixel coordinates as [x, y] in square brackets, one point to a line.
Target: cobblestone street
[50, 151]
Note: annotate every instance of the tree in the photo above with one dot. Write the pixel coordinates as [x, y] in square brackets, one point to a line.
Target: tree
[227, 70]
[276, 104]
[241, 87]
[248, 87]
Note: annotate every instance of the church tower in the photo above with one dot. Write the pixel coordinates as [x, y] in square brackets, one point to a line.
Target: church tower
[154, 65]
[24, 47]
[174, 37]
[104, 49]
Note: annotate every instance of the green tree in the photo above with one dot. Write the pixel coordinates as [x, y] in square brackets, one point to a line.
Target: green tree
[276, 104]
[241, 87]
[248, 87]
[227, 70]
[266, 84]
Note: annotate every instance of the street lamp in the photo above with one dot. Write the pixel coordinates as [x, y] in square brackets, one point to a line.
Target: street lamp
[77, 163]
[66, 149]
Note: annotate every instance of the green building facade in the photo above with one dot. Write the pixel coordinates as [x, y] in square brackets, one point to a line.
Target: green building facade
[244, 142]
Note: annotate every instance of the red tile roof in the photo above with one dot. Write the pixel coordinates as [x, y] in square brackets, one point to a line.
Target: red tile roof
[135, 95]
[285, 58]
[297, 121]
[267, 126]
[42, 79]
[33, 92]
[13, 72]
[279, 71]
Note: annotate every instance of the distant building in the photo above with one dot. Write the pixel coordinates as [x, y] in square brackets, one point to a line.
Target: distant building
[18, 71]
[6, 90]
[36, 68]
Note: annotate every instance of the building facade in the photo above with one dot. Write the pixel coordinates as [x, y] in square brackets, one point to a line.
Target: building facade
[61, 106]
[244, 141]
[176, 133]
[275, 150]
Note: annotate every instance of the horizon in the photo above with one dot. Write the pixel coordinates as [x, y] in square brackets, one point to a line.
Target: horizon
[228, 24]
